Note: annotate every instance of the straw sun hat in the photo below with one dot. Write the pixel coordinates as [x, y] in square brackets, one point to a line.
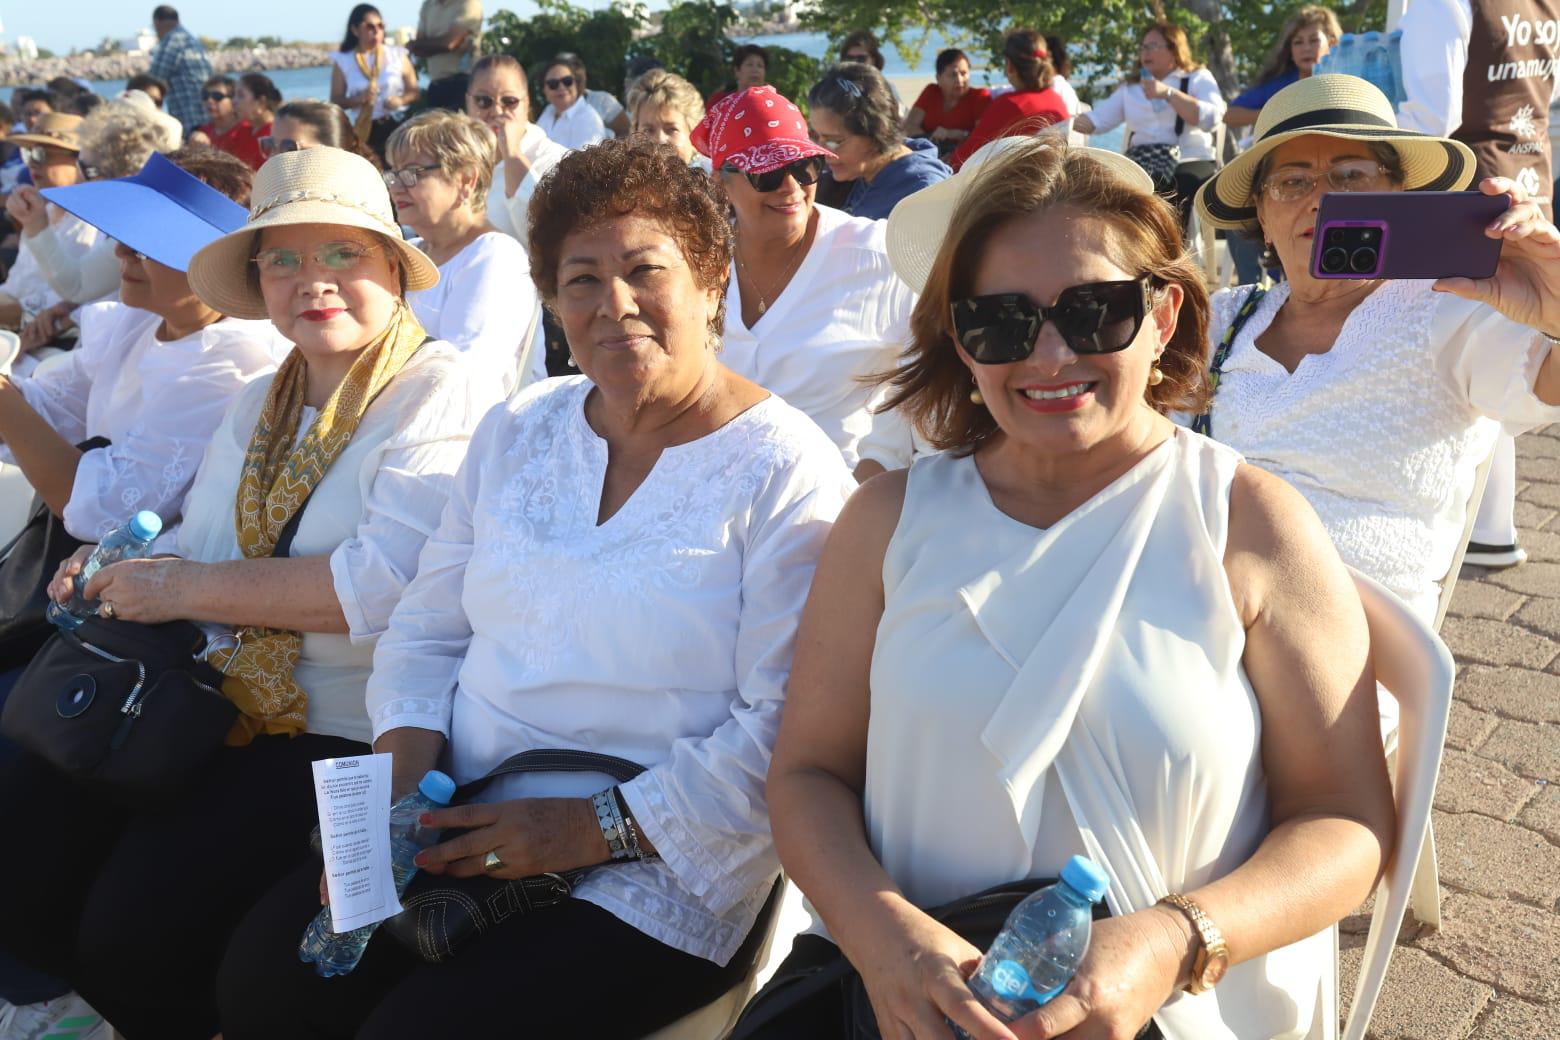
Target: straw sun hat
[60, 129]
[919, 222]
[1344, 107]
[311, 186]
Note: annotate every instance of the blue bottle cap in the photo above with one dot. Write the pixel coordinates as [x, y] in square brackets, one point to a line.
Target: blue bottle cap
[146, 525]
[437, 787]
[1084, 875]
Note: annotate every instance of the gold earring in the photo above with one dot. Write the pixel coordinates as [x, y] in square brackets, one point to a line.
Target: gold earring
[975, 397]
[1155, 376]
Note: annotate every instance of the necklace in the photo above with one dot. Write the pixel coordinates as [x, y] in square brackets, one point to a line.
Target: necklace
[785, 276]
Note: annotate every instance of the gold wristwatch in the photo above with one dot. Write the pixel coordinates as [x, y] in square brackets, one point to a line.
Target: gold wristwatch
[1213, 956]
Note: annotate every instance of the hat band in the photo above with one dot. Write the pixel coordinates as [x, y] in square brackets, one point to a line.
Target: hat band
[1328, 117]
[289, 197]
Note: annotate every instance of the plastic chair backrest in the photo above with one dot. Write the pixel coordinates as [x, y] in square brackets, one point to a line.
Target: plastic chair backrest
[1481, 477]
[1416, 668]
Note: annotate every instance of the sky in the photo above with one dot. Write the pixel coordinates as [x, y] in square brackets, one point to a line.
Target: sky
[60, 25]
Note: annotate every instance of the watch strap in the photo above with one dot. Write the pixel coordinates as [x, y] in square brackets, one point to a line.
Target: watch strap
[1213, 944]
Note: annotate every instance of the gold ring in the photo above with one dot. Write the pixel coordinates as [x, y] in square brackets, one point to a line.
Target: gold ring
[107, 610]
[491, 862]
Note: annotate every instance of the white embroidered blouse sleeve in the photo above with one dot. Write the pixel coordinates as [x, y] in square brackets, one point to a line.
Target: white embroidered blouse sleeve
[418, 659]
[705, 808]
[80, 267]
[184, 398]
[1210, 102]
[1108, 114]
[59, 394]
[408, 487]
[1492, 362]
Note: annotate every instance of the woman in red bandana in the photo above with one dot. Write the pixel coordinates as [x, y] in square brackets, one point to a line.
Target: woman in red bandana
[1030, 107]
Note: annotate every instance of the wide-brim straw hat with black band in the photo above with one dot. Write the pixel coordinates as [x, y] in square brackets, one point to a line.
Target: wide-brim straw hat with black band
[311, 186]
[1344, 107]
[919, 222]
[59, 129]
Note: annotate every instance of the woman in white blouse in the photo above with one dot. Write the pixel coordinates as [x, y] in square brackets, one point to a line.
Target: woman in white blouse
[1171, 106]
[620, 569]
[568, 118]
[1378, 400]
[370, 78]
[440, 170]
[154, 373]
[1077, 630]
[813, 306]
[312, 503]
[498, 98]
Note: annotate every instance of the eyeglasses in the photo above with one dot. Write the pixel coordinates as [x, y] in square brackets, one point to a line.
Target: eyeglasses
[833, 144]
[407, 176]
[484, 102]
[40, 154]
[333, 256]
[272, 145]
[214, 95]
[856, 56]
[1151, 45]
[564, 82]
[1093, 318]
[803, 171]
[1349, 175]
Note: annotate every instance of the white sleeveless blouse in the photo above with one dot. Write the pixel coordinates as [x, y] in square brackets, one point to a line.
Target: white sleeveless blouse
[1040, 693]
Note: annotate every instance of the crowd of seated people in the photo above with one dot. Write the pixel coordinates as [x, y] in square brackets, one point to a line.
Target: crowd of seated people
[910, 546]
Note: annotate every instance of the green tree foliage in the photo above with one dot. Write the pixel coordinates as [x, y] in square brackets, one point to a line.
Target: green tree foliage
[691, 38]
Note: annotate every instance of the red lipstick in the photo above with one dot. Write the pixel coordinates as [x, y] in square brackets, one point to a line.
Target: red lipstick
[321, 315]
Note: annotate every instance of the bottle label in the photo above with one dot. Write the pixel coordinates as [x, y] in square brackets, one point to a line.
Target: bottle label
[1011, 982]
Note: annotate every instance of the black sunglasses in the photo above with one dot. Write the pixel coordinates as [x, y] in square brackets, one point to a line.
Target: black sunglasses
[270, 145]
[803, 171]
[1094, 318]
[214, 95]
[484, 101]
[561, 81]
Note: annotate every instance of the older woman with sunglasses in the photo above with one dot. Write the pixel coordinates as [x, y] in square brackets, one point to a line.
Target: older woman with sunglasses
[52, 151]
[569, 119]
[1078, 630]
[314, 498]
[498, 98]
[441, 167]
[813, 306]
[1377, 399]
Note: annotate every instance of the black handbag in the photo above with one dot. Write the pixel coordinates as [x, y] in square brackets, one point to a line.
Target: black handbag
[27, 566]
[977, 918]
[441, 915]
[127, 707]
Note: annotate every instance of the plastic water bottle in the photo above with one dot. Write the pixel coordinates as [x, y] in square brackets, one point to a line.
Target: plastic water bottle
[337, 953]
[1376, 64]
[1157, 104]
[1040, 947]
[130, 542]
[1395, 59]
[1343, 58]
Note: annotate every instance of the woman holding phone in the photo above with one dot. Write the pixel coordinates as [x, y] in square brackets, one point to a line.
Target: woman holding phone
[1376, 399]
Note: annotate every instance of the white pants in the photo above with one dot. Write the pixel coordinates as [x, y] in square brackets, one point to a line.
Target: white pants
[1495, 524]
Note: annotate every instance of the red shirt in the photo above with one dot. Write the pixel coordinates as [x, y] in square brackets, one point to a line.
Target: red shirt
[962, 116]
[1021, 112]
[242, 140]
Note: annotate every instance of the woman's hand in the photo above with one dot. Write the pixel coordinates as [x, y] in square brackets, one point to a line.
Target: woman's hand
[49, 323]
[1155, 88]
[28, 209]
[1526, 283]
[148, 591]
[531, 836]
[510, 132]
[914, 970]
[1133, 966]
[64, 581]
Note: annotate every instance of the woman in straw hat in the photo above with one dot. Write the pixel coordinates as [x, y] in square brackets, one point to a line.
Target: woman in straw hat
[1376, 399]
[1078, 630]
[52, 152]
[814, 306]
[620, 570]
[312, 504]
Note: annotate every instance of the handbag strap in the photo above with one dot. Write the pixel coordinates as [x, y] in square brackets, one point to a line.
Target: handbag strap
[1180, 124]
[289, 530]
[554, 760]
[1203, 423]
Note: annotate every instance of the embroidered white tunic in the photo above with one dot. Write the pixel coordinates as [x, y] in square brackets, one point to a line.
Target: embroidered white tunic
[1080, 689]
[663, 635]
[844, 315]
[370, 513]
[1383, 433]
[157, 402]
[485, 305]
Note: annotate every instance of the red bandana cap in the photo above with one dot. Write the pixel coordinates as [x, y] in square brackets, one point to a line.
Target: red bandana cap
[755, 131]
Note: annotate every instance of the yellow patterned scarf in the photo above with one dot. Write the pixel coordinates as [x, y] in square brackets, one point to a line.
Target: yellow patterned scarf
[275, 481]
[364, 124]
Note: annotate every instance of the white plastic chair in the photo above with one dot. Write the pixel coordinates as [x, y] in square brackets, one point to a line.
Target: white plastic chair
[16, 493]
[1416, 668]
[717, 1019]
[1481, 477]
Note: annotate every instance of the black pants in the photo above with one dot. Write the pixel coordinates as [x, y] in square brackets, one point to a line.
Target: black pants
[1189, 176]
[572, 970]
[133, 905]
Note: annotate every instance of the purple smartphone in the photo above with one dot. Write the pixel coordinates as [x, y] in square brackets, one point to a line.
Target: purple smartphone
[1406, 234]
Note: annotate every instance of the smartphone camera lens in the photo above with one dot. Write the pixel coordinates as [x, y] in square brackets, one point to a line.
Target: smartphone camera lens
[1335, 260]
[1363, 260]
[1335, 236]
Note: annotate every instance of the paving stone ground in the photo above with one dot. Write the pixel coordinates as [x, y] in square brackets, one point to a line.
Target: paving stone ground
[1492, 972]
